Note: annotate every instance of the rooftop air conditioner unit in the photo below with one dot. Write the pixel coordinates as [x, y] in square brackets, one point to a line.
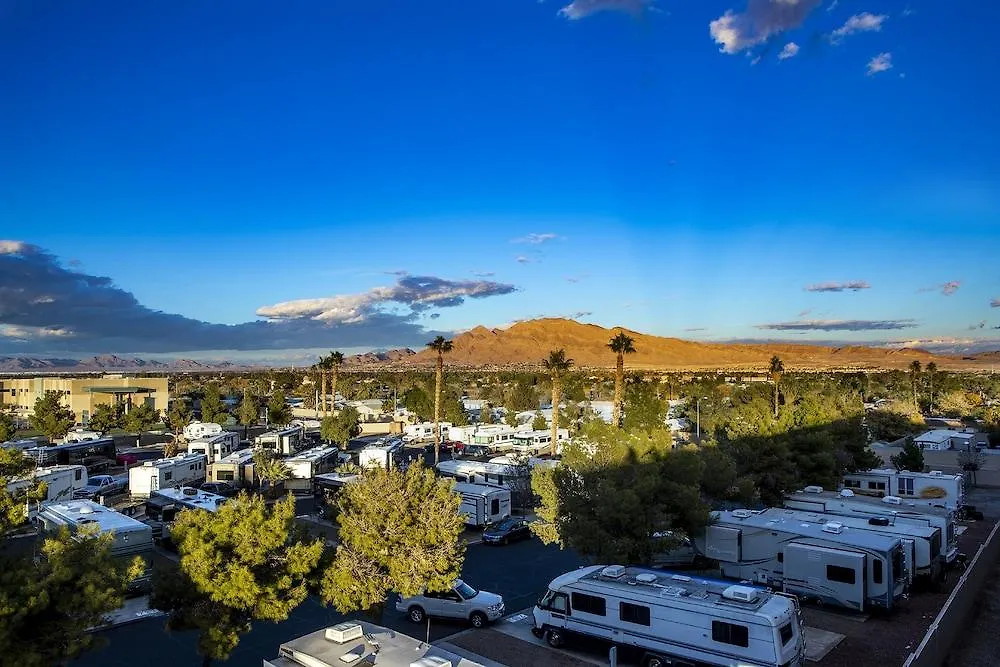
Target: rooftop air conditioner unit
[344, 632]
[613, 571]
[645, 578]
[740, 593]
[935, 472]
[833, 527]
[847, 493]
[742, 514]
[813, 489]
[892, 500]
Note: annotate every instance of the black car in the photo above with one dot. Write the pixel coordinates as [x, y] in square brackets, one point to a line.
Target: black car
[224, 489]
[509, 530]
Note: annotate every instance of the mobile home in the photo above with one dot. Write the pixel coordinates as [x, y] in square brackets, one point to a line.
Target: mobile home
[673, 619]
[130, 536]
[382, 456]
[819, 560]
[483, 503]
[196, 430]
[845, 503]
[216, 446]
[309, 463]
[236, 468]
[924, 488]
[284, 442]
[180, 470]
[539, 442]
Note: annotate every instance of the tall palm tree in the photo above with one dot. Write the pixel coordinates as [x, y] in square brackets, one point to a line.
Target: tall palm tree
[557, 365]
[441, 346]
[620, 345]
[931, 373]
[335, 360]
[914, 376]
[776, 369]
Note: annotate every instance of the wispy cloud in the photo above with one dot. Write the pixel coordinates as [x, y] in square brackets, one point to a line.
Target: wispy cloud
[579, 9]
[947, 289]
[838, 325]
[979, 325]
[790, 51]
[523, 259]
[864, 22]
[761, 20]
[693, 329]
[536, 239]
[880, 63]
[995, 303]
[803, 313]
[948, 345]
[832, 5]
[483, 274]
[851, 285]
[577, 278]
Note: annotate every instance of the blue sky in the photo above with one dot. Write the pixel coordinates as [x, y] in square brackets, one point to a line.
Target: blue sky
[679, 168]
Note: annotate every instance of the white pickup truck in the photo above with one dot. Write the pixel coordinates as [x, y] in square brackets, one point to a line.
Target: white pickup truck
[102, 485]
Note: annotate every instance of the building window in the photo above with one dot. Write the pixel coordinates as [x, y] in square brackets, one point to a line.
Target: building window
[877, 571]
[588, 604]
[730, 633]
[633, 613]
[841, 575]
[852, 484]
[906, 486]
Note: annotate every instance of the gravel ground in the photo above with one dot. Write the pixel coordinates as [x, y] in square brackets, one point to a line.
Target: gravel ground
[509, 650]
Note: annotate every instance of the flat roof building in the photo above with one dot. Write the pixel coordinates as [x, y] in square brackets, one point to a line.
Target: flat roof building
[83, 394]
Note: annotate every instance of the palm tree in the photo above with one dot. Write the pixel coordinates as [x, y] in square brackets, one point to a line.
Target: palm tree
[776, 369]
[322, 364]
[914, 376]
[557, 365]
[267, 467]
[931, 372]
[334, 362]
[620, 345]
[441, 346]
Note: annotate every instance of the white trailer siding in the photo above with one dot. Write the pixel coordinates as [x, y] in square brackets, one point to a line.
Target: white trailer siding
[196, 430]
[61, 482]
[843, 578]
[925, 488]
[538, 442]
[284, 442]
[181, 470]
[215, 447]
[483, 503]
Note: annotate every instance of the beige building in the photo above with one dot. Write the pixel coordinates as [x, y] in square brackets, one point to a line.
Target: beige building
[81, 394]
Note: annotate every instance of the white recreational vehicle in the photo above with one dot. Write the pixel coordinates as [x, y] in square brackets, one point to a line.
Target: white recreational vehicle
[82, 435]
[284, 442]
[216, 446]
[180, 470]
[845, 503]
[163, 505]
[130, 536]
[196, 430]
[386, 456]
[305, 465]
[61, 483]
[477, 472]
[823, 560]
[674, 619]
[425, 431]
[539, 442]
[925, 488]
[483, 503]
[497, 437]
[237, 468]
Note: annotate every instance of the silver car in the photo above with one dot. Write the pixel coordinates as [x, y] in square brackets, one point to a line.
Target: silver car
[460, 601]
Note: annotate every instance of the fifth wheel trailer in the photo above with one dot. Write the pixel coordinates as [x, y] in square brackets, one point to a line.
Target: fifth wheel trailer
[180, 470]
[215, 446]
[932, 488]
[483, 503]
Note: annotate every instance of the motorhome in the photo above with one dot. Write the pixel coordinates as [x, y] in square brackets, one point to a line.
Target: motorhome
[382, 456]
[236, 468]
[478, 472]
[196, 430]
[163, 505]
[425, 431]
[307, 464]
[284, 442]
[61, 483]
[845, 503]
[497, 437]
[933, 488]
[183, 470]
[216, 446]
[96, 455]
[333, 481]
[130, 536]
[483, 503]
[820, 560]
[539, 442]
[672, 619]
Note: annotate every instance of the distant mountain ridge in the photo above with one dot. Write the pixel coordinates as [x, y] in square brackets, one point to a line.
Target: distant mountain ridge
[105, 362]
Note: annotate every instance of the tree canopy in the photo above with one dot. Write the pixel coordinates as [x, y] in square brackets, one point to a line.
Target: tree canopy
[341, 427]
[8, 427]
[278, 412]
[50, 416]
[141, 418]
[16, 466]
[107, 416]
[249, 412]
[212, 407]
[911, 457]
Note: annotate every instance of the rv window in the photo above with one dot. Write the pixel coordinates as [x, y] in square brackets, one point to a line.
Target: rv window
[79, 475]
[852, 483]
[167, 476]
[906, 486]
[877, 571]
[633, 613]
[878, 486]
[781, 556]
[786, 633]
[729, 633]
[588, 604]
[557, 602]
[842, 575]
[494, 506]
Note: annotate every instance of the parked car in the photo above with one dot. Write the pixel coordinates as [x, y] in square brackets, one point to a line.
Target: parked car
[224, 489]
[102, 485]
[460, 601]
[509, 530]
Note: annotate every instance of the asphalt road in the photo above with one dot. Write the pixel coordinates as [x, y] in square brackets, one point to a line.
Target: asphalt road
[520, 572]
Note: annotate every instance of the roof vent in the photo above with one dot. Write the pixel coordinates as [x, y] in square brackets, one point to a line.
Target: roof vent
[833, 527]
[846, 493]
[892, 500]
[613, 571]
[344, 632]
[740, 593]
[86, 509]
[935, 472]
[680, 577]
[188, 491]
[645, 578]
[742, 514]
[813, 489]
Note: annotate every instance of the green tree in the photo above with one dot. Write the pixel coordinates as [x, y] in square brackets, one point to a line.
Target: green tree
[242, 563]
[178, 416]
[140, 419]
[278, 412]
[911, 457]
[621, 345]
[340, 428]
[558, 365]
[399, 531]
[442, 347]
[106, 417]
[417, 401]
[958, 403]
[538, 422]
[269, 468]
[15, 489]
[775, 370]
[523, 397]
[510, 418]
[8, 427]
[644, 409]
[889, 425]
[334, 362]
[212, 407]
[486, 414]
[932, 374]
[49, 604]
[249, 412]
[914, 380]
[51, 417]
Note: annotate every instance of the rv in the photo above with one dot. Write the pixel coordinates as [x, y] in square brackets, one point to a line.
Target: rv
[183, 470]
[306, 465]
[425, 431]
[130, 536]
[497, 437]
[237, 468]
[61, 483]
[382, 456]
[196, 430]
[671, 618]
[81, 435]
[477, 471]
[932, 488]
[822, 560]
[845, 503]
[539, 442]
[216, 446]
[96, 455]
[284, 442]
[333, 481]
[163, 505]
[483, 503]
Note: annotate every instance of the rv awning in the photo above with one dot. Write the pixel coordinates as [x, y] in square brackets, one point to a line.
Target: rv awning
[119, 390]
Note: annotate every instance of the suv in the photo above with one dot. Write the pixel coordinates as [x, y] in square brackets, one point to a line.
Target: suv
[460, 601]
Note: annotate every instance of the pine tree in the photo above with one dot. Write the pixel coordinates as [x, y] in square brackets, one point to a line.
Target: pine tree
[212, 407]
[140, 419]
[910, 458]
[8, 427]
[51, 417]
[107, 417]
[249, 412]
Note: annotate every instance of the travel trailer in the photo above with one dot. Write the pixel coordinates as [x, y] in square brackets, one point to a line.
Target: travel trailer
[483, 503]
[845, 503]
[180, 470]
[196, 430]
[61, 483]
[932, 488]
[130, 536]
[534, 443]
[671, 618]
[425, 431]
[236, 468]
[497, 437]
[333, 481]
[307, 464]
[284, 442]
[382, 456]
[94, 454]
[823, 560]
[216, 446]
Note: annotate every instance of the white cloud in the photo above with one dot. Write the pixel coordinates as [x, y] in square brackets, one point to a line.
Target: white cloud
[523, 259]
[13, 247]
[852, 285]
[880, 63]
[838, 325]
[790, 51]
[833, 5]
[29, 333]
[864, 22]
[579, 9]
[762, 20]
[536, 239]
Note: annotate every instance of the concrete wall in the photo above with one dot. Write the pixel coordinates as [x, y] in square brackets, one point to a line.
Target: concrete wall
[954, 616]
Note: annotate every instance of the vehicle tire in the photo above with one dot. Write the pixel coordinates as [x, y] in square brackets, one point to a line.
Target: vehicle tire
[554, 638]
[538, 632]
[654, 661]
[478, 619]
[416, 614]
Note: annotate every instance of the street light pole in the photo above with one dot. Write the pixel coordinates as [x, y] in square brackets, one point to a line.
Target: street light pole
[697, 405]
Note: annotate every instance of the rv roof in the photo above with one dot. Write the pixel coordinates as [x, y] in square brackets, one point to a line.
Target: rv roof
[774, 519]
[83, 512]
[313, 454]
[861, 501]
[212, 438]
[889, 472]
[477, 489]
[198, 499]
[239, 456]
[861, 523]
[174, 460]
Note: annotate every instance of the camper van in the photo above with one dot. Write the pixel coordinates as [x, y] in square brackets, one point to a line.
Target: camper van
[932, 488]
[672, 619]
[483, 503]
[130, 536]
[309, 463]
[236, 468]
[61, 483]
[845, 503]
[284, 442]
[180, 470]
[819, 560]
[533, 443]
[216, 446]
[196, 430]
